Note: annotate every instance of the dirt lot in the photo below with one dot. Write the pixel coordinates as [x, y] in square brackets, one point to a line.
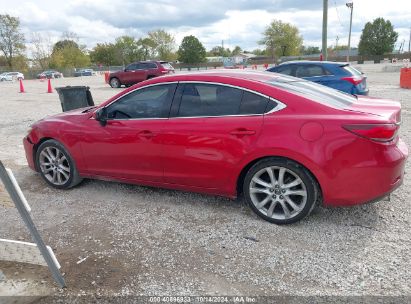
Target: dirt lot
[145, 241]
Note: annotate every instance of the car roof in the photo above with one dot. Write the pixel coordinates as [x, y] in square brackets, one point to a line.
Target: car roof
[258, 76]
[213, 76]
[314, 62]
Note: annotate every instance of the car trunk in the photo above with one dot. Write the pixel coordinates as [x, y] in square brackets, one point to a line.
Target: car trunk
[388, 109]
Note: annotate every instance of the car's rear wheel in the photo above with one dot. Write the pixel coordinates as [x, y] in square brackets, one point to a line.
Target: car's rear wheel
[56, 166]
[280, 191]
[115, 82]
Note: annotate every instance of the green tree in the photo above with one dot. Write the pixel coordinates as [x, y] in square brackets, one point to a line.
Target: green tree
[377, 38]
[310, 50]
[147, 47]
[236, 51]
[104, 53]
[259, 52]
[191, 50]
[11, 40]
[67, 54]
[281, 39]
[60, 45]
[219, 51]
[164, 44]
[127, 50]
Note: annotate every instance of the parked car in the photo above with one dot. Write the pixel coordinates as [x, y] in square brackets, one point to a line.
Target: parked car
[284, 143]
[83, 72]
[49, 74]
[139, 71]
[337, 75]
[10, 76]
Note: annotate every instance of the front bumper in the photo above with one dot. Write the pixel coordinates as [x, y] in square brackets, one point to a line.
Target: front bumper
[29, 149]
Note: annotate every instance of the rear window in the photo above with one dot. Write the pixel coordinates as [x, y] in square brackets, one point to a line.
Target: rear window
[150, 65]
[352, 70]
[316, 92]
[166, 65]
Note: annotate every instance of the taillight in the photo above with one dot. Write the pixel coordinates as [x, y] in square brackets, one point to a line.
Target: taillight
[353, 79]
[376, 132]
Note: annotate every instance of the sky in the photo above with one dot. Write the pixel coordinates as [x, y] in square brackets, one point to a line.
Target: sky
[239, 22]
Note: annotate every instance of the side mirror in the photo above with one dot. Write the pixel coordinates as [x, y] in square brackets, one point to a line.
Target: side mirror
[101, 116]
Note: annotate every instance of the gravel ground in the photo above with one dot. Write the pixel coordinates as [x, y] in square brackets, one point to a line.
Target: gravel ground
[146, 241]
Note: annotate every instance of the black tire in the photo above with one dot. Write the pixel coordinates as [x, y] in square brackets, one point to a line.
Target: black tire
[52, 146]
[306, 187]
[115, 82]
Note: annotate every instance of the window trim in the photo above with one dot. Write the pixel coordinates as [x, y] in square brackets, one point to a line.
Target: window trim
[279, 106]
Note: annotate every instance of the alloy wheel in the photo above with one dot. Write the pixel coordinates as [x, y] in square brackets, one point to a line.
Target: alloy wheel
[54, 165]
[278, 192]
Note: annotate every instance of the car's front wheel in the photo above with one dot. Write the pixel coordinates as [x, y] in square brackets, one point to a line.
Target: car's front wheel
[280, 190]
[115, 82]
[56, 166]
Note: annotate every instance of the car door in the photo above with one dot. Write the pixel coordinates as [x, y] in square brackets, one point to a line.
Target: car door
[141, 72]
[128, 75]
[211, 128]
[129, 146]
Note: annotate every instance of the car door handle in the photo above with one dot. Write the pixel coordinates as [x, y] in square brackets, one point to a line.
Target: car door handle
[146, 134]
[242, 132]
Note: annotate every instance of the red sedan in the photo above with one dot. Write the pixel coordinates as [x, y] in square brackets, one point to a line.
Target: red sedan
[284, 143]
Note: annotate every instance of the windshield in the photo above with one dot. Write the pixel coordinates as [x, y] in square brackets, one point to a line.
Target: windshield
[166, 65]
[315, 92]
[352, 70]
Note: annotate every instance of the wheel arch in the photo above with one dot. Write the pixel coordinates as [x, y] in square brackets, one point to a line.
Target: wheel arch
[246, 168]
[116, 77]
[35, 148]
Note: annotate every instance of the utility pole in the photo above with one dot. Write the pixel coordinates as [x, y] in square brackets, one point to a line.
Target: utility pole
[325, 24]
[350, 5]
[409, 42]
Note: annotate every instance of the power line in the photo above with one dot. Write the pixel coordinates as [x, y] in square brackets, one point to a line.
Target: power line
[338, 14]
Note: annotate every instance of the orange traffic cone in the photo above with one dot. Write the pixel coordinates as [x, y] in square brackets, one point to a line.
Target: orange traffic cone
[49, 89]
[21, 86]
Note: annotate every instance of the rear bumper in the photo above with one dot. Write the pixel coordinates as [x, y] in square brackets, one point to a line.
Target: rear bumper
[368, 181]
[29, 149]
[364, 92]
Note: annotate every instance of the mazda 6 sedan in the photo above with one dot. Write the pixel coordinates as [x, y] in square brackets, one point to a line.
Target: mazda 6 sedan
[285, 144]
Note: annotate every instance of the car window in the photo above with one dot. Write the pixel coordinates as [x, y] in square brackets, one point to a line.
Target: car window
[309, 71]
[141, 66]
[252, 103]
[352, 70]
[132, 67]
[209, 100]
[166, 65]
[316, 92]
[150, 65]
[287, 70]
[151, 102]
